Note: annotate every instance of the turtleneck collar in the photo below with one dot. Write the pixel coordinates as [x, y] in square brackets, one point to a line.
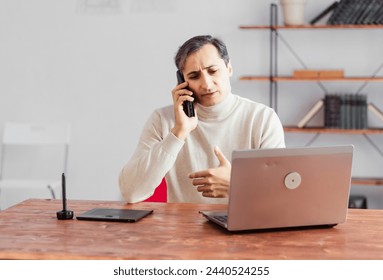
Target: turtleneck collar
[219, 111]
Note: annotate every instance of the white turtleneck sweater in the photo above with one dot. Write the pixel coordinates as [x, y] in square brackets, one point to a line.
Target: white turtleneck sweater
[235, 123]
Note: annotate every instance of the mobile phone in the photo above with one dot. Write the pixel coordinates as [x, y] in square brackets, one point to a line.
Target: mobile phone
[188, 106]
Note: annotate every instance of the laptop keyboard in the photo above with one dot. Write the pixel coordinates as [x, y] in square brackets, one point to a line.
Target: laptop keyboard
[221, 218]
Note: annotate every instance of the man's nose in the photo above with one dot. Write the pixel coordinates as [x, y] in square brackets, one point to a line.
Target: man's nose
[206, 81]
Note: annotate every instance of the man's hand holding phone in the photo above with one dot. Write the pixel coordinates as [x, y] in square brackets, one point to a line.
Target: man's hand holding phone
[187, 105]
[183, 124]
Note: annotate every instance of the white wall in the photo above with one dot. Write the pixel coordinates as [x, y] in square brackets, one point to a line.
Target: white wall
[105, 65]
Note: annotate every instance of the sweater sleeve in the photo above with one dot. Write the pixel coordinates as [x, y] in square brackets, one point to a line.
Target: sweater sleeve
[154, 156]
[272, 132]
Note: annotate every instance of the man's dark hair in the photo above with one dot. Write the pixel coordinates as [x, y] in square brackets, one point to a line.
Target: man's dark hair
[194, 44]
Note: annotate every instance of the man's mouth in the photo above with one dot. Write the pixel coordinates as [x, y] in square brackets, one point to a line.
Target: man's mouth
[209, 93]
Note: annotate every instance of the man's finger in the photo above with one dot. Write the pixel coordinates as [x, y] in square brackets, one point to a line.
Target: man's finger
[200, 182]
[198, 174]
[221, 157]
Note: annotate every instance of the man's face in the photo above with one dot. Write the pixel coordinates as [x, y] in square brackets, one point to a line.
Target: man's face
[208, 76]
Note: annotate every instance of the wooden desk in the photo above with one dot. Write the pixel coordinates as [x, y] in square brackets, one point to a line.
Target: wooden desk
[30, 230]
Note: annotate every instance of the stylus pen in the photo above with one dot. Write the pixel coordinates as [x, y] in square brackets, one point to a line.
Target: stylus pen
[63, 191]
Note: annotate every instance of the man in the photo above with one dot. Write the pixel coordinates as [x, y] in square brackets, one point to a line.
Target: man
[194, 153]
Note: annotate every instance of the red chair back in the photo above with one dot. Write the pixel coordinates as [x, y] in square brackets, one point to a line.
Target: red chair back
[160, 194]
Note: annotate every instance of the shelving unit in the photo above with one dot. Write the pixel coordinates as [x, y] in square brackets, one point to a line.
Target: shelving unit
[273, 78]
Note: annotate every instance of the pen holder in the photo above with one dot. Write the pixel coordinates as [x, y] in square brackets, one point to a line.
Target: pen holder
[65, 215]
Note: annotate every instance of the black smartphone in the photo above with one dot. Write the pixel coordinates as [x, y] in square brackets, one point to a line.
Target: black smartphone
[187, 105]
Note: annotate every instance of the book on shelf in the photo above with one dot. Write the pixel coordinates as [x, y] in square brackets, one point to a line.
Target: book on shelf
[357, 12]
[375, 110]
[332, 112]
[372, 13]
[379, 16]
[316, 74]
[373, 16]
[357, 7]
[341, 12]
[311, 113]
[356, 108]
[375, 13]
[368, 11]
[346, 111]
[324, 13]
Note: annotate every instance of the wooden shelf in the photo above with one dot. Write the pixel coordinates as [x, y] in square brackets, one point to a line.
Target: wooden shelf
[292, 79]
[333, 130]
[323, 26]
[367, 181]
[255, 78]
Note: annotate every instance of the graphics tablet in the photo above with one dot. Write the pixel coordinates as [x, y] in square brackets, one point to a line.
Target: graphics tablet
[114, 215]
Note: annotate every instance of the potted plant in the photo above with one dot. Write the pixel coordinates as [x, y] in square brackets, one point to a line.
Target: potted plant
[293, 11]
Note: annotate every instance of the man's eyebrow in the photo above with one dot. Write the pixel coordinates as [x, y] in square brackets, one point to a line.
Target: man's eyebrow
[192, 73]
[197, 71]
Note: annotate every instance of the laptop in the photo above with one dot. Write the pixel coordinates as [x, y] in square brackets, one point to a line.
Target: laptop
[114, 215]
[287, 187]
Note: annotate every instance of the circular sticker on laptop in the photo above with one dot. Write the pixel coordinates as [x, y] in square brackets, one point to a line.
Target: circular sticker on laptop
[293, 180]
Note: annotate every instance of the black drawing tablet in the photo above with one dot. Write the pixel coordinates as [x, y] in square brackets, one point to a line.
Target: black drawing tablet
[114, 215]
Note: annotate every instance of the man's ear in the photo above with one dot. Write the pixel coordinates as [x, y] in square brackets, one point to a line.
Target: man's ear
[230, 68]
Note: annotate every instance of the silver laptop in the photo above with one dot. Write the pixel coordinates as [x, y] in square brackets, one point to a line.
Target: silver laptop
[287, 187]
